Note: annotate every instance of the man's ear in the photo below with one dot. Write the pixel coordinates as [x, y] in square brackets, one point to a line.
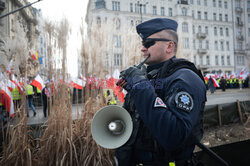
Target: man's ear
[170, 47]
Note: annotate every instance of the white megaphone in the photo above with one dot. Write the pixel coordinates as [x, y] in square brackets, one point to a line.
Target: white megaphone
[111, 127]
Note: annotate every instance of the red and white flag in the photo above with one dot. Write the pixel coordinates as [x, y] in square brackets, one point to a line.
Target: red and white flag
[6, 99]
[38, 82]
[17, 83]
[216, 84]
[79, 83]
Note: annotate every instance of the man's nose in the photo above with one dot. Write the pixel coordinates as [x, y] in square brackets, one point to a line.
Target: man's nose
[143, 49]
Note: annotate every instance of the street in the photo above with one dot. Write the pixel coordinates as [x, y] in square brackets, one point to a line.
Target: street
[218, 97]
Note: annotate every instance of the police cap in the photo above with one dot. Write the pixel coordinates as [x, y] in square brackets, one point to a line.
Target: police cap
[150, 27]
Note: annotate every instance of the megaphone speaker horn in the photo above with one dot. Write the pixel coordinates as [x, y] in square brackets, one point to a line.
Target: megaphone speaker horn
[111, 127]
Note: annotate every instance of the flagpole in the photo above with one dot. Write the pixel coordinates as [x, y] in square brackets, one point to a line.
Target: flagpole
[16, 10]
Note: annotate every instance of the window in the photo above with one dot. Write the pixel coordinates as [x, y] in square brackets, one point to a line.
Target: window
[216, 45]
[227, 32]
[144, 9]
[170, 12]
[186, 42]
[184, 11]
[137, 8]
[222, 46]
[194, 44]
[154, 10]
[220, 17]
[214, 3]
[237, 3]
[207, 44]
[98, 21]
[239, 46]
[195, 59]
[225, 4]
[215, 31]
[199, 29]
[222, 60]
[226, 17]
[198, 2]
[199, 15]
[228, 61]
[205, 2]
[206, 30]
[117, 59]
[201, 60]
[131, 7]
[214, 16]
[248, 18]
[162, 11]
[205, 15]
[191, 2]
[248, 4]
[221, 31]
[227, 43]
[240, 60]
[248, 32]
[216, 60]
[118, 41]
[220, 4]
[115, 6]
[184, 27]
[208, 60]
[106, 61]
[200, 44]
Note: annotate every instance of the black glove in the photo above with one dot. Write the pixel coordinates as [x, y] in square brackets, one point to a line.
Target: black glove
[132, 76]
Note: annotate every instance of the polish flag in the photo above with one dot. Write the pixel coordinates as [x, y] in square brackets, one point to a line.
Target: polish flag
[38, 82]
[18, 85]
[11, 85]
[79, 83]
[216, 84]
[243, 74]
[6, 99]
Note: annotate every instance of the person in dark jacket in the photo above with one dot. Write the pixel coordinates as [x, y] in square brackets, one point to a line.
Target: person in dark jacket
[165, 100]
[223, 83]
[211, 85]
[45, 97]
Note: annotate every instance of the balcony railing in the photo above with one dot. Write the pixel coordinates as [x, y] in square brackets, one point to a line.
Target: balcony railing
[184, 2]
[202, 51]
[240, 23]
[239, 37]
[201, 35]
[238, 9]
[239, 51]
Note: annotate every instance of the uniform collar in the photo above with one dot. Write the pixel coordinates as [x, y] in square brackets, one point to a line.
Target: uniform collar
[156, 66]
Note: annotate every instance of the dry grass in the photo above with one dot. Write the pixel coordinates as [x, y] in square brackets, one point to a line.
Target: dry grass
[61, 140]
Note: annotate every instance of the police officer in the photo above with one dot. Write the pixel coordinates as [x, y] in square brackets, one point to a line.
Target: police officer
[166, 101]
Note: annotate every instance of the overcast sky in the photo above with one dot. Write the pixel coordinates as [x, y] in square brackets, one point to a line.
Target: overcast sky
[74, 11]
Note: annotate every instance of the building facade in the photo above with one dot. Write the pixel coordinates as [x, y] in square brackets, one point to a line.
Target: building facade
[207, 28]
[241, 25]
[25, 17]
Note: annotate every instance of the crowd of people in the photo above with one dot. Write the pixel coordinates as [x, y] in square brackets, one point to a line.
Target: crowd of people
[226, 83]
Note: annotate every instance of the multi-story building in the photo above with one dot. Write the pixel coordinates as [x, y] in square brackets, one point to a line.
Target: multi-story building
[25, 17]
[42, 45]
[241, 36]
[206, 28]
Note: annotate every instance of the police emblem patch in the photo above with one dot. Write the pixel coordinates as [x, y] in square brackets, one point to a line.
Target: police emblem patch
[159, 103]
[184, 101]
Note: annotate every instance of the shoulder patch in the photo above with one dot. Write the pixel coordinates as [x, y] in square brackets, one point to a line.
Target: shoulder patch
[184, 101]
[159, 103]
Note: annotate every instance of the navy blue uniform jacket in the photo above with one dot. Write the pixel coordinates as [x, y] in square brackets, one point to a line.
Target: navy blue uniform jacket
[170, 125]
